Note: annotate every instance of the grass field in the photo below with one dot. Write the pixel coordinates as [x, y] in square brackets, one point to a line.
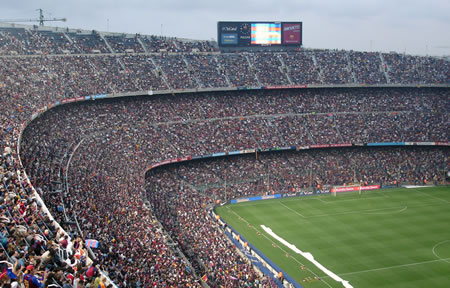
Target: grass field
[381, 238]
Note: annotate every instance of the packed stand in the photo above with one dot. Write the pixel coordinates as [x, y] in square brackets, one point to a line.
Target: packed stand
[118, 140]
[237, 68]
[205, 68]
[412, 69]
[19, 41]
[335, 66]
[14, 41]
[301, 67]
[269, 68]
[367, 67]
[150, 77]
[35, 251]
[284, 172]
[176, 71]
[89, 43]
[124, 44]
[242, 69]
[182, 212]
[196, 46]
[155, 44]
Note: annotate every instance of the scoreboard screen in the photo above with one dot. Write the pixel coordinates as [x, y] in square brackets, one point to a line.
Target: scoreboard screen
[266, 33]
[247, 34]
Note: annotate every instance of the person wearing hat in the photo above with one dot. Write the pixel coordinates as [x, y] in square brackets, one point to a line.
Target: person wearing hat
[32, 280]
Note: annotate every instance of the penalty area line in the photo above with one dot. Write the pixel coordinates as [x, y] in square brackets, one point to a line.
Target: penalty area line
[307, 256]
[393, 267]
[298, 213]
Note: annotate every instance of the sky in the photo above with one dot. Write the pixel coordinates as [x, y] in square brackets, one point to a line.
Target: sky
[417, 27]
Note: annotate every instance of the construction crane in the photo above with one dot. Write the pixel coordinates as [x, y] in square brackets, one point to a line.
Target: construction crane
[41, 19]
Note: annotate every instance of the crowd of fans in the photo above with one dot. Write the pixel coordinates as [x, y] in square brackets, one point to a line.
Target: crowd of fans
[268, 68]
[338, 69]
[21, 41]
[100, 151]
[301, 67]
[34, 250]
[205, 68]
[367, 67]
[197, 64]
[117, 140]
[124, 43]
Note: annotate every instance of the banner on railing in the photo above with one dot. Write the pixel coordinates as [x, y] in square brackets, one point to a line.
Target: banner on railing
[69, 100]
[285, 86]
[356, 188]
[256, 198]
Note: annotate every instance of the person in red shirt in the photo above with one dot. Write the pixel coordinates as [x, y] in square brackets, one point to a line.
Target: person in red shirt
[64, 242]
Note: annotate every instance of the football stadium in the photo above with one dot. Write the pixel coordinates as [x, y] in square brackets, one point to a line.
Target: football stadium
[133, 160]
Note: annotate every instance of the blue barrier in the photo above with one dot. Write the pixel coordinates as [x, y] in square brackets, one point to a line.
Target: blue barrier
[255, 198]
[389, 186]
[253, 259]
[264, 257]
[387, 144]
[100, 96]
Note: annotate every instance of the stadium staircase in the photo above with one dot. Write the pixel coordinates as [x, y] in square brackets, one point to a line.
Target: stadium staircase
[68, 38]
[319, 71]
[161, 72]
[244, 123]
[385, 68]
[252, 69]
[349, 68]
[284, 68]
[337, 131]
[221, 70]
[139, 40]
[283, 140]
[119, 61]
[192, 72]
[107, 44]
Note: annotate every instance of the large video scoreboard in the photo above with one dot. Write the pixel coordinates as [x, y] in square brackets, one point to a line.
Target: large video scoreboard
[247, 34]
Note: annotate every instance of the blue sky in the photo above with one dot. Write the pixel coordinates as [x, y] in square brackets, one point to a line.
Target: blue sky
[415, 27]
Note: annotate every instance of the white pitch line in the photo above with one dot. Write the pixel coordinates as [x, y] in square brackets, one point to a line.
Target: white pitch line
[374, 210]
[298, 213]
[356, 212]
[307, 256]
[321, 200]
[392, 267]
[389, 212]
[440, 199]
[353, 199]
[443, 259]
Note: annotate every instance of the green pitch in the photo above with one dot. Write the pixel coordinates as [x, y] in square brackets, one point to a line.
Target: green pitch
[382, 238]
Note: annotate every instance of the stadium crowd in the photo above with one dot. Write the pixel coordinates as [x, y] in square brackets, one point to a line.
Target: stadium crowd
[116, 139]
[104, 149]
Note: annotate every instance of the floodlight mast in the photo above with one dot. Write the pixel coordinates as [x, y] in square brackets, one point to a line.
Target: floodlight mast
[41, 19]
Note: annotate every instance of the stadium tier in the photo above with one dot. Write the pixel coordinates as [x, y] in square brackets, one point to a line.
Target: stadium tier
[89, 161]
